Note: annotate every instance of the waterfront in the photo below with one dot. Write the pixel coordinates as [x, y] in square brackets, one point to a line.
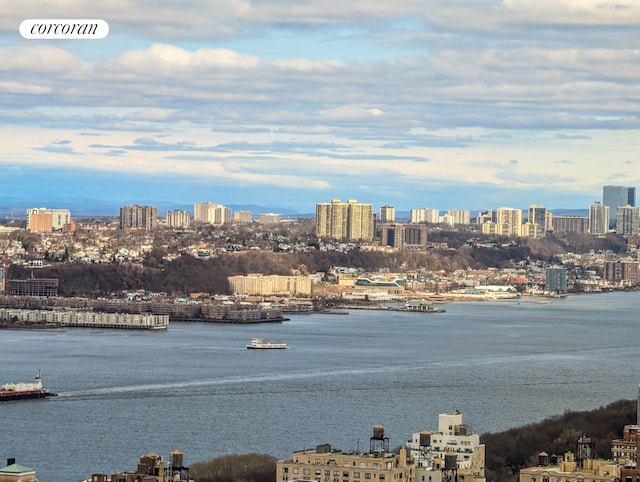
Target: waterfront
[198, 389]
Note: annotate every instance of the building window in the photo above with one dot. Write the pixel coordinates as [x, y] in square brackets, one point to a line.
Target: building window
[367, 475]
[356, 475]
[345, 474]
[296, 470]
[306, 471]
[381, 476]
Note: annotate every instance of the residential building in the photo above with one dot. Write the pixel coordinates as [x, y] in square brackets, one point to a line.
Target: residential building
[453, 447]
[459, 216]
[615, 196]
[621, 272]
[628, 220]
[242, 217]
[14, 472]
[387, 214]
[578, 467]
[556, 280]
[258, 284]
[210, 213]
[488, 216]
[538, 215]
[178, 219]
[350, 221]
[139, 217]
[403, 236]
[424, 215]
[509, 221]
[626, 448]
[598, 218]
[530, 230]
[33, 287]
[325, 464]
[570, 224]
[43, 220]
[491, 228]
[151, 468]
[270, 218]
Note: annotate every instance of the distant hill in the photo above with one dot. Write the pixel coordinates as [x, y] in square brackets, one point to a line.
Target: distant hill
[16, 207]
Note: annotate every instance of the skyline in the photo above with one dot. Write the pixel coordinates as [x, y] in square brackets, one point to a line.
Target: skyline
[415, 104]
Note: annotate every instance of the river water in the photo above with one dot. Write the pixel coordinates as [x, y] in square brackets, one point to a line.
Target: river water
[196, 387]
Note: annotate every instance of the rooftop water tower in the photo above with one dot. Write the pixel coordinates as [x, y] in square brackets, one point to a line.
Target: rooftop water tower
[379, 444]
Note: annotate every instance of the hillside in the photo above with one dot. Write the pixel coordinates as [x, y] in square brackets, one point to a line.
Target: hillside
[507, 452]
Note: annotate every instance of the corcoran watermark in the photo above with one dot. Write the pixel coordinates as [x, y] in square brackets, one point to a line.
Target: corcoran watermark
[64, 29]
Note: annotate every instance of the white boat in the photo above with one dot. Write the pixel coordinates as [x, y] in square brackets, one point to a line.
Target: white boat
[262, 344]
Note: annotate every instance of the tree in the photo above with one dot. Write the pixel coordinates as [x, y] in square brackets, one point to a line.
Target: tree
[235, 468]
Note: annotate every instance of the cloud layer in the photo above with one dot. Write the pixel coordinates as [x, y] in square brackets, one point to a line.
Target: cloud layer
[302, 102]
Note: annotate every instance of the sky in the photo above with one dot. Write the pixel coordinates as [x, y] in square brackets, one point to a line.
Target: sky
[445, 104]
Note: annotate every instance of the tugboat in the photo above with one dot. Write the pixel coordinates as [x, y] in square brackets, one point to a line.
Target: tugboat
[24, 390]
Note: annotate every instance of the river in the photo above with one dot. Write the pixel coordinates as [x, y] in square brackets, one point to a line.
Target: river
[196, 387]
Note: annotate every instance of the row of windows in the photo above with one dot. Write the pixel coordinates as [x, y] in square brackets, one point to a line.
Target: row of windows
[336, 473]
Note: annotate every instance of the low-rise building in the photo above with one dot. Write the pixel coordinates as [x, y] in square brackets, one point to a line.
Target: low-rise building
[14, 472]
[572, 467]
[324, 464]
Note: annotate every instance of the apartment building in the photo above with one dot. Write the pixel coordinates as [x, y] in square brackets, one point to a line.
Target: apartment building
[424, 215]
[324, 464]
[178, 219]
[258, 284]
[571, 468]
[139, 217]
[403, 236]
[270, 218]
[211, 213]
[43, 220]
[454, 448]
[351, 221]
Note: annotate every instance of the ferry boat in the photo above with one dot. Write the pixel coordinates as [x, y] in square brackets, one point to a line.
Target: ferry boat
[24, 390]
[262, 344]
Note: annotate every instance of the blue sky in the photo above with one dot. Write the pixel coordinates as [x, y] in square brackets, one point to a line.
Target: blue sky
[413, 103]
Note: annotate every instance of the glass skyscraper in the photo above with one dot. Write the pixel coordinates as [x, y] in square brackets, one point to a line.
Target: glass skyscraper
[616, 196]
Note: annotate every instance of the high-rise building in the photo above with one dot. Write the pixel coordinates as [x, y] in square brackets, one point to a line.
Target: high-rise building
[351, 221]
[139, 217]
[509, 221]
[625, 272]
[43, 220]
[459, 216]
[570, 224]
[598, 218]
[488, 216]
[242, 217]
[387, 214]
[403, 236]
[628, 220]
[270, 218]
[556, 280]
[616, 196]
[178, 219]
[211, 213]
[424, 215]
[538, 215]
